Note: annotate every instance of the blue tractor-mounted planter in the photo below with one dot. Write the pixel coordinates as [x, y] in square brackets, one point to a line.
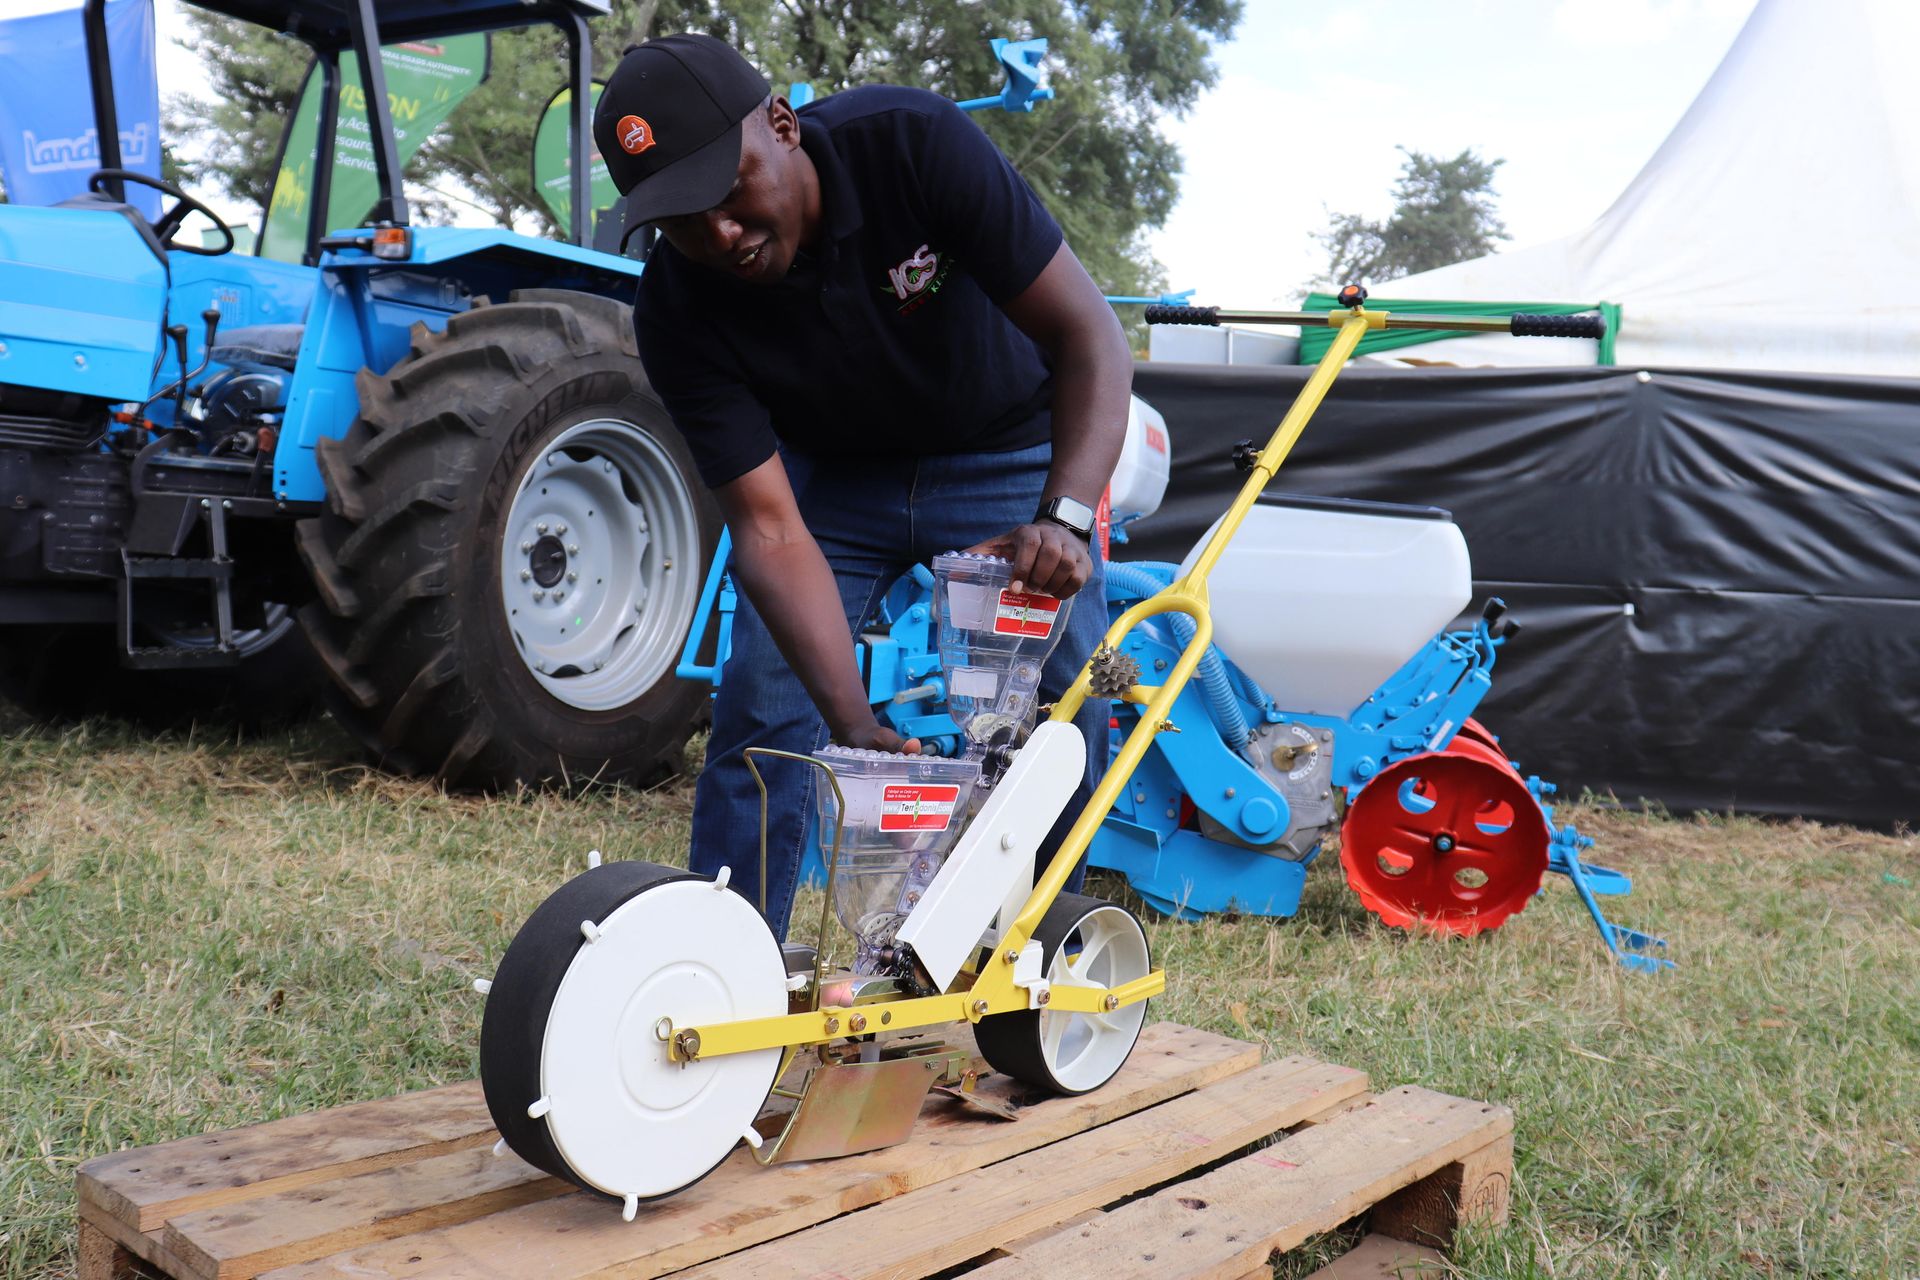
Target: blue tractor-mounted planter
[1437, 828]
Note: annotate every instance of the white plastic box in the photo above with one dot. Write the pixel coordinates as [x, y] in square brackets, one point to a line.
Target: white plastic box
[1146, 457]
[1322, 606]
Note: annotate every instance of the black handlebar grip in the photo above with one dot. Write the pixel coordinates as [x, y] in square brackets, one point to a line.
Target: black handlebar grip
[1533, 326]
[1157, 314]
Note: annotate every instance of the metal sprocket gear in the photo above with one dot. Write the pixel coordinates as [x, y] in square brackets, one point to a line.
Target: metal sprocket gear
[1112, 674]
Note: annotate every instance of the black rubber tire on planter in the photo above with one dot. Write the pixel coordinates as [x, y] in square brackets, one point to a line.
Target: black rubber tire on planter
[514, 1026]
[69, 672]
[411, 620]
[1012, 1042]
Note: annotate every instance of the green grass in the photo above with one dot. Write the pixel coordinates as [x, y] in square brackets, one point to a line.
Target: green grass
[230, 933]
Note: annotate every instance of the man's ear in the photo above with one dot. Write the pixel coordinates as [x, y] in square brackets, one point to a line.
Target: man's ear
[784, 122]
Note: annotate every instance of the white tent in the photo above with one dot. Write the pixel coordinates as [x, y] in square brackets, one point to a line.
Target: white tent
[1777, 227]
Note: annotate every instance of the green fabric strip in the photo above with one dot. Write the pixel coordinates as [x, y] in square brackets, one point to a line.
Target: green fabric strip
[1315, 341]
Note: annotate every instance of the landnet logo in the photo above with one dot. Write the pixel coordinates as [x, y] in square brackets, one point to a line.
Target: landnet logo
[57, 155]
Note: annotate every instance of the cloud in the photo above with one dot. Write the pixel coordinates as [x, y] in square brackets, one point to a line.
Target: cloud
[1630, 23]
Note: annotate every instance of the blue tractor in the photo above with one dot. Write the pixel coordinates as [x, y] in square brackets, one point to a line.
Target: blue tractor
[426, 456]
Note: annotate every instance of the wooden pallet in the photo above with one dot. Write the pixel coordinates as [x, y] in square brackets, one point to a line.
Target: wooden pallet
[408, 1186]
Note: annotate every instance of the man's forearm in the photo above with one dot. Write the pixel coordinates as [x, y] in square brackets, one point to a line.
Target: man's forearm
[1092, 374]
[793, 588]
[1063, 311]
[1092, 380]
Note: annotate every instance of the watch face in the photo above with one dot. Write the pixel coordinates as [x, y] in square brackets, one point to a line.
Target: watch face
[1071, 512]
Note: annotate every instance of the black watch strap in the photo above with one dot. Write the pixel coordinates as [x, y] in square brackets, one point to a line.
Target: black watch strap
[1070, 514]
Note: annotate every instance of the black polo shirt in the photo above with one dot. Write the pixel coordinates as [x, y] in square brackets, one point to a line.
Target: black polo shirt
[888, 337]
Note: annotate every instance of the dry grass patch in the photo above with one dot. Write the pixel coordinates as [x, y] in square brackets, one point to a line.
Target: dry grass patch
[198, 934]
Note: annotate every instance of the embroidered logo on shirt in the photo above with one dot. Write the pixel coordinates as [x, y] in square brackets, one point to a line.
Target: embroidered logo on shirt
[917, 278]
[914, 273]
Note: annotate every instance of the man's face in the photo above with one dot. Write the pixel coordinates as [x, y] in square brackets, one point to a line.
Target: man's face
[755, 230]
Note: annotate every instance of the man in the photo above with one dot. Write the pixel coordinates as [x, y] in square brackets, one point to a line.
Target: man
[878, 348]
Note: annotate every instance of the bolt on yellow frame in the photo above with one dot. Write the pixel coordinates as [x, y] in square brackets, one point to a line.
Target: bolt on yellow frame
[994, 991]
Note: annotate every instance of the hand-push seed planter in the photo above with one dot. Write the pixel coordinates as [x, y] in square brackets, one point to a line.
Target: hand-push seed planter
[643, 1015]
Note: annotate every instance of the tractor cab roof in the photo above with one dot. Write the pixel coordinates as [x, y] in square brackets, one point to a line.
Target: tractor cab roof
[328, 24]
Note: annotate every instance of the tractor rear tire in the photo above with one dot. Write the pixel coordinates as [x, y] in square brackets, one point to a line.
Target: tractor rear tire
[516, 460]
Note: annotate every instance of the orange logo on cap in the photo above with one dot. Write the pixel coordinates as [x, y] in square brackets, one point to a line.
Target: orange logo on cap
[636, 135]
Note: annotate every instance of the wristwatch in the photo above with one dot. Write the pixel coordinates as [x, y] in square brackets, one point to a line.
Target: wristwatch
[1070, 514]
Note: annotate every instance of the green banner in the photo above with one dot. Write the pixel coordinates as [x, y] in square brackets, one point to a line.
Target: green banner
[426, 80]
[553, 163]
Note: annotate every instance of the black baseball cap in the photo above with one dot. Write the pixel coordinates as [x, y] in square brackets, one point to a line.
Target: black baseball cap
[669, 122]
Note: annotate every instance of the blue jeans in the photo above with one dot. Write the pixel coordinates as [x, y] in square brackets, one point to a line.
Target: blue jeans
[874, 519]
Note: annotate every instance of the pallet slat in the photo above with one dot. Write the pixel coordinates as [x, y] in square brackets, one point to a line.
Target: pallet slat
[964, 1217]
[1476, 1188]
[1379, 1257]
[113, 1259]
[741, 1204]
[1224, 1224]
[143, 1187]
[255, 1235]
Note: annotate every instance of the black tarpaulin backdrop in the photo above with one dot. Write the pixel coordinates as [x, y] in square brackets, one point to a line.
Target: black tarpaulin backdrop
[1716, 573]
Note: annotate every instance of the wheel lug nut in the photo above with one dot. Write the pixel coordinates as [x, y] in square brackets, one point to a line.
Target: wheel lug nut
[539, 593]
[525, 574]
[572, 576]
[607, 467]
[541, 527]
[559, 596]
[560, 530]
[573, 548]
[526, 546]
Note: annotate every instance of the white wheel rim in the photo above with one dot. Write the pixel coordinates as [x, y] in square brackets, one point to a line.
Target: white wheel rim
[626, 1118]
[598, 572]
[1083, 1050]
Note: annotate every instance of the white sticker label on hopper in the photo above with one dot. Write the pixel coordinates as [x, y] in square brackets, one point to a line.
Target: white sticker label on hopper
[972, 682]
[970, 605]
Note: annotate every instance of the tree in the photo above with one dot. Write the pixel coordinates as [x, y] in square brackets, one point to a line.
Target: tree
[255, 77]
[1443, 213]
[1094, 153]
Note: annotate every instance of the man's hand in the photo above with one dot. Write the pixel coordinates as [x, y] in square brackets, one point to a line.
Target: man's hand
[874, 736]
[1047, 558]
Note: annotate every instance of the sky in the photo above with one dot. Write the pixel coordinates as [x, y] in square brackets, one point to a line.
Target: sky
[1314, 98]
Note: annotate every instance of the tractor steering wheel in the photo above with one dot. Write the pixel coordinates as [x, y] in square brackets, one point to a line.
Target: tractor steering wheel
[170, 221]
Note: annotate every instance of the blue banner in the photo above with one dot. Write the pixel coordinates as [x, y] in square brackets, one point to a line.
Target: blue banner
[48, 142]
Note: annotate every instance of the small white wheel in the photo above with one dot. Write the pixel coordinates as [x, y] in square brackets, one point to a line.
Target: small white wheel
[1084, 943]
[575, 1023]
